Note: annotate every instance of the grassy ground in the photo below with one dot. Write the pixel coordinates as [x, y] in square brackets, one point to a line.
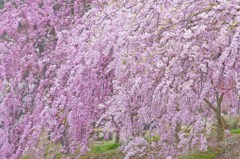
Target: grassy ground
[111, 154]
[235, 131]
[212, 153]
[209, 154]
[104, 146]
[104, 150]
[99, 150]
[108, 150]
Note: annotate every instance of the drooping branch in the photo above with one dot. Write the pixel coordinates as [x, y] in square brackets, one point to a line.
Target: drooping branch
[210, 105]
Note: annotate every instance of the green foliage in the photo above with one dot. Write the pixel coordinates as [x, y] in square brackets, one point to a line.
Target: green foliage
[111, 154]
[59, 156]
[153, 138]
[25, 157]
[209, 154]
[104, 150]
[200, 155]
[101, 138]
[105, 146]
[235, 131]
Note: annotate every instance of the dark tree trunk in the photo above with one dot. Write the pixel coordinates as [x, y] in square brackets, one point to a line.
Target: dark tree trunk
[220, 120]
[117, 136]
[217, 110]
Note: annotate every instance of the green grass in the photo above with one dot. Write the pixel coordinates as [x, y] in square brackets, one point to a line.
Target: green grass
[111, 154]
[209, 154]
[105, 146]
[104, 150]
[59, 156]
[200, 155]
[25, 157]
[235, 131]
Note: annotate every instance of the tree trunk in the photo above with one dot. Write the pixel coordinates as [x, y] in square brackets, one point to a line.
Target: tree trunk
[220, 120]
[220, 127]
[117, 136]
[64, 141]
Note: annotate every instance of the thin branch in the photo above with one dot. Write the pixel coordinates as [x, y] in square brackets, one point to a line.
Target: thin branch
[210, 105]
[221, 97]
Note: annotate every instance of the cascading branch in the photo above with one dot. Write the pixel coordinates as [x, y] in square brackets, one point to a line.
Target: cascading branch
[28, 37]
[67, 64]
[176, 65]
